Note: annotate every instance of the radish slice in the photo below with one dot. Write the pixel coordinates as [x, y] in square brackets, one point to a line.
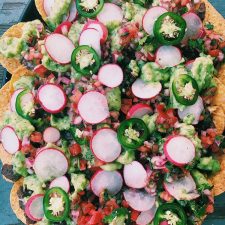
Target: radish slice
[195, 110]
[73, 12]
[135, 176]
[61, 182]
[51, 135]
[146, 217]
[10, 140]
[59, 48]
[93, 107]
[189, 64]
[110, 13]
[50, 163]
[13, 99]
[145, 90]
[139, 200]
[110, 75]
[63, 28]
[182, 189]
[100, 27]
[91, 37]
[168, 56]
[150, 17]
[139, 110]
[105, 145]
[34, 207]
[106, 180]
[48, 4]
[194, 26]
[179, 150]
[52, 98]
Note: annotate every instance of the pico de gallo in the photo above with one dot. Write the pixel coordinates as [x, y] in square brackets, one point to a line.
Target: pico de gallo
[115, 126]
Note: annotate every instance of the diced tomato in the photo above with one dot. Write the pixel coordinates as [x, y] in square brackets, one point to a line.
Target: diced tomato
[28, 149]
[75, 149]
[210, 208]
[76, 96]
[166, 196]
[50, 78]
[134, 215]
[127, 33]
[144, 149]
[125, 204]
[214, 53]
[208, 137]
[40, 70]
[87, 207]
[110, 206]
[83, 220]
[222, 45]
[96, 218]
[83, 164]
[36, 137]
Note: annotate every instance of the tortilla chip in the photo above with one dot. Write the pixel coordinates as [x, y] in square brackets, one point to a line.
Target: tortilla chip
[11, 64]
[40, 8]
[218, 118]
[14, 201]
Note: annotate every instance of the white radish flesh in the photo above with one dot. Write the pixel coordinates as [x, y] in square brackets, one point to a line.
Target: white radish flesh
[111, 75]
[168, 56]
[139, 200]
[34, 207]
[110, 13]
[182, 189]
[50, 163]
[52, 98]
[106, 180]
[59, 48]
[10, 141]
[179, 150]
[93, 107]
[105, 145]
[13, 99]
[51, 135]
[194, 26]
[100, 27]
[139, 110]
[61, 182]
[195, 110]
[135, 176]
[145, 90]
[92, 38]
[150, 18]
[146, 217]
[48, 5]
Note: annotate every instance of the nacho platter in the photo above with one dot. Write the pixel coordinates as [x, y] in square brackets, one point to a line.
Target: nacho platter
[215, 107]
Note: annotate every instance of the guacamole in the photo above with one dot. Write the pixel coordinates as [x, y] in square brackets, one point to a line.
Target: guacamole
[114, 99]
[25, 82]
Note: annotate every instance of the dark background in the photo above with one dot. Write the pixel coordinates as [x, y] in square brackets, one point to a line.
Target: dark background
[10, 13]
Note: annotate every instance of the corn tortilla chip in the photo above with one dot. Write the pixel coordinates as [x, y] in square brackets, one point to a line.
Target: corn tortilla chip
[40, 8]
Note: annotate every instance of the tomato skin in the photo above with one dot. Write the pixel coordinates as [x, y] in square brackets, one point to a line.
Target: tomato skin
[125, 204]
[96, 218]
[210, 208]
[83, 164]
[36, 137]
[75, 149]
[214, 53]
[134, 215]
[87, 207]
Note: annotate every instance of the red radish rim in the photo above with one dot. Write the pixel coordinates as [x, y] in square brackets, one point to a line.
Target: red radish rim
[58, 29]
[46, 131]
[147, 12]
[136, 107]
[96, 173]
[91, 147]
[46, 109]
[66, 179]
[103, 27]
[19, 141]
[79, 111]
[102, 80]
[146, 98]
[168, 156]
[28, 204]
[50, 55]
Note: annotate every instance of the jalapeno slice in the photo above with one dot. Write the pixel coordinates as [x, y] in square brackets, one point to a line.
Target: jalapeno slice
[172, 213]
[185, 89]
[75, 131]
[24, 104]
[85, 60]
[132, 133]
[56, 204]
[169, 28]
[90, 8]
